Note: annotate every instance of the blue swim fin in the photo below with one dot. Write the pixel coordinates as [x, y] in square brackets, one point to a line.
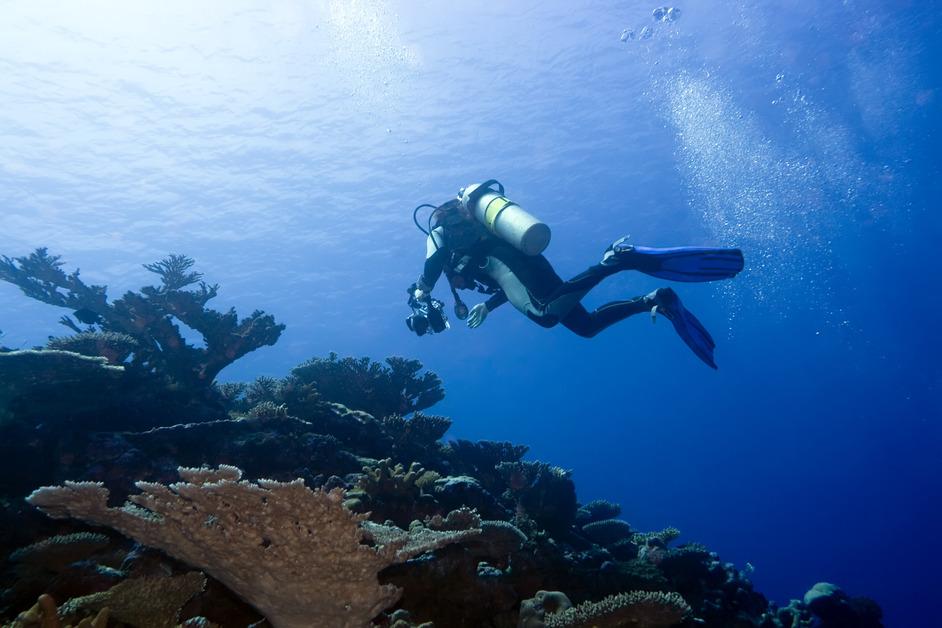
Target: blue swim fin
[679, 263]
[690, 330]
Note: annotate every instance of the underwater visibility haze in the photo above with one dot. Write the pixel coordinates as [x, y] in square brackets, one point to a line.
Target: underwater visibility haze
[281, 148]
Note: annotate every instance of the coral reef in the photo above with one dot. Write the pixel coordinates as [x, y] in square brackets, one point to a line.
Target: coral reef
[638, 608]
[140, 601]
[364, 516]
[315, 565]
[148, 316]
[394, 388]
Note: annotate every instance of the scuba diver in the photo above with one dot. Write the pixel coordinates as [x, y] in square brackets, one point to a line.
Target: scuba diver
[483, 241]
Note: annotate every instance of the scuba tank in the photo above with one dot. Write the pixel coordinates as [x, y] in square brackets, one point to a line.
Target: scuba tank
[504, 218]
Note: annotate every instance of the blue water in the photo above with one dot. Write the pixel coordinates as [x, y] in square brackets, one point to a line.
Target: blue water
[285, 147]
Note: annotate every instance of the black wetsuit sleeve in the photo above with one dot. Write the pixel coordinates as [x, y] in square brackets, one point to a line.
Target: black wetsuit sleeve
[435, 257]
[434, 266]
[496, 300]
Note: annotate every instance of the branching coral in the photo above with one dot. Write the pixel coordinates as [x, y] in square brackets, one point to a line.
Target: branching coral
[397, 387]
[392, 491]
[148, 316]
[662, 538]
[544, 492]
[413, 436]
[480, 459]
[293, 553]
[641, 609]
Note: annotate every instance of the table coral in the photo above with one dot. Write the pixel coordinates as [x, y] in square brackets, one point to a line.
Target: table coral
[641, 609]
[152, 602]
[292, 552]
[396, 387]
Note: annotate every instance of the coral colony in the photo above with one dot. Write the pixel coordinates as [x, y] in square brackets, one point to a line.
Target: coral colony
[324, 498]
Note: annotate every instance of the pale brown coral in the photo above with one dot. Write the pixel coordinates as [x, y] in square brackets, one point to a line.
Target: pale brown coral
[637, 609]
[292, 552]
[56, 552]
[418, 539]
[663, 537]
[151, 602]
[43, 614]
[534, 610]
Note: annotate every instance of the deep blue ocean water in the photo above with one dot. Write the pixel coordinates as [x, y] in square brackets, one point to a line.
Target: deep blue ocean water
[284, 148]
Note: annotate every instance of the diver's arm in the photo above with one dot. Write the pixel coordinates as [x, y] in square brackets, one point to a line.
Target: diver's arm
[496, 300]
[435, 257]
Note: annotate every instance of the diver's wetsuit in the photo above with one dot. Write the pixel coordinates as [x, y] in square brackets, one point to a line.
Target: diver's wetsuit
[528, 282]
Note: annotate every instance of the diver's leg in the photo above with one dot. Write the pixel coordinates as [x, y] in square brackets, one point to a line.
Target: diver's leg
[580, 321]
[569, 293]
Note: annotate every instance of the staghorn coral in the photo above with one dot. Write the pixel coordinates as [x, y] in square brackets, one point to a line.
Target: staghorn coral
[148, 316]
[151, 602]
[310, 544]
[641, 609]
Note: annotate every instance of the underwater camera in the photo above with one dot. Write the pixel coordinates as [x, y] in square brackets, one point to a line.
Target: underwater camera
[428, 316]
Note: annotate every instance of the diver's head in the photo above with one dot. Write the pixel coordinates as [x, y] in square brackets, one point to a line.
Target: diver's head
[449, 214]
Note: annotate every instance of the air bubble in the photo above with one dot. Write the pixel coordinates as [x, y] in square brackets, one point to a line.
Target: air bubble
[666, 14]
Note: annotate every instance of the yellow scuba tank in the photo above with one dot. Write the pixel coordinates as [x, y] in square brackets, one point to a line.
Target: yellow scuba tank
[504, 218]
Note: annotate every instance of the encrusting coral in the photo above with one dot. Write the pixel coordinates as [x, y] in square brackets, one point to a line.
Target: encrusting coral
[317, 570]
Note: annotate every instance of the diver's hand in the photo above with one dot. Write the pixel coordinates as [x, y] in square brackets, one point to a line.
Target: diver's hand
[419, 294]
[478, 313]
